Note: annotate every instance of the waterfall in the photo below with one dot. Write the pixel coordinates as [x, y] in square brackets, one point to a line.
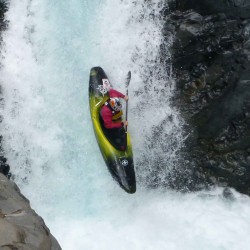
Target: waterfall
[47, 52]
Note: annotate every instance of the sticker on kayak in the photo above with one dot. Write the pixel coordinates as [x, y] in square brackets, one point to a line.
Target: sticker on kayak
[105, 87]
[124, 162]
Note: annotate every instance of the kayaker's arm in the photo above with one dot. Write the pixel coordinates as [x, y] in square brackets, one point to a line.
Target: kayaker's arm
[125, 123]
[115, 93]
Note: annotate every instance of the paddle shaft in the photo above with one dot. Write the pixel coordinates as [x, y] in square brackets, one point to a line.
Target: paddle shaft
[127, 84]
[126, 118]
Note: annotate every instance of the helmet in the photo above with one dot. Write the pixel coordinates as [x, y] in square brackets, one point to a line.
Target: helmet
[106, 84]
[115, 104]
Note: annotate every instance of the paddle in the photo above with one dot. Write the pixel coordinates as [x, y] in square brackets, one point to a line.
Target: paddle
[127, 84]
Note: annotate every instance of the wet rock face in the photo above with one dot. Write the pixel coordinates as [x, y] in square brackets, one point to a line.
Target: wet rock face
[211, 59]
[3, 9]
[231, 8]
[4, 166]
[20, 227]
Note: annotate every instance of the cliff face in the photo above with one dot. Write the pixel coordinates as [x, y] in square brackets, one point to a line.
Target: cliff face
[20, 227]
[211, 60]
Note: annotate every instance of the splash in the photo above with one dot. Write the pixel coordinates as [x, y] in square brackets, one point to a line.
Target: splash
[48, 51]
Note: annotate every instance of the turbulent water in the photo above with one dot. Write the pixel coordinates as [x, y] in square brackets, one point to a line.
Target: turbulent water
[47, 54]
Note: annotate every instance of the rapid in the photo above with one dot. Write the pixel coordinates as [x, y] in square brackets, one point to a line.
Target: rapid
[46, 55]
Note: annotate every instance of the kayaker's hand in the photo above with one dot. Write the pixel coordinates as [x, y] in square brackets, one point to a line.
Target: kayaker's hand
[125, 98]
[125, 123]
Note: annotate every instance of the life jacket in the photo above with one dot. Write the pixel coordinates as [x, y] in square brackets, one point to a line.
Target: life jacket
[116, 115]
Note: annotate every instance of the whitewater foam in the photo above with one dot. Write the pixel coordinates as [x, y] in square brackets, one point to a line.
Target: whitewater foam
[48, 51]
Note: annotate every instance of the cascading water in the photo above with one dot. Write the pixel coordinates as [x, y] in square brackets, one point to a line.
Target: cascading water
[47, 53]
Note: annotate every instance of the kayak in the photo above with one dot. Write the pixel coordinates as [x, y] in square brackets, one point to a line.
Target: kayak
[115, 145]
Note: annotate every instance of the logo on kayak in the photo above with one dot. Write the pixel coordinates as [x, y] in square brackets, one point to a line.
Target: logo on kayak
[124, 162]
[93, 72]
[105, 87]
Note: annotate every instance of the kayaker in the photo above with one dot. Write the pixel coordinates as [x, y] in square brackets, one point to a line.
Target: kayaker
[111, 111]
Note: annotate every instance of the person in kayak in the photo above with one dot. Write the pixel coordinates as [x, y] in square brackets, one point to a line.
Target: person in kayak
[111, 112]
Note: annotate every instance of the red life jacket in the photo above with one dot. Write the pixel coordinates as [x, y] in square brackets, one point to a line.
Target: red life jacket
[110, 117]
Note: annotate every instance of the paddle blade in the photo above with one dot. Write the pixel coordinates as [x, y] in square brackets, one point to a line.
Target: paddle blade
[128, 78]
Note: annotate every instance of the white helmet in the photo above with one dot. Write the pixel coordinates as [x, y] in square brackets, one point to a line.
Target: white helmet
[115, 104]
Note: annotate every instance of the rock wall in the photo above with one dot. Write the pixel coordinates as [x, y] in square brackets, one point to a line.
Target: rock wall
[233, 9]
[211, 61]
[20, 227]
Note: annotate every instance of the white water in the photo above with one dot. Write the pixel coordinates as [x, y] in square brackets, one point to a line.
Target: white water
[48, 51]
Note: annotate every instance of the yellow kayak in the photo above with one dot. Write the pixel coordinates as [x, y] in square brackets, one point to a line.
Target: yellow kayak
[116, 147]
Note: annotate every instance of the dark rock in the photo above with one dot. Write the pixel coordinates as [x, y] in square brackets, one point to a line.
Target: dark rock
[231, 8]
[4, 167]
[211, 61]
[227, 193]
[3, 9]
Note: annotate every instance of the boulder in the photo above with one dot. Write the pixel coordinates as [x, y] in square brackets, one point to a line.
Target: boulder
[20, 227]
